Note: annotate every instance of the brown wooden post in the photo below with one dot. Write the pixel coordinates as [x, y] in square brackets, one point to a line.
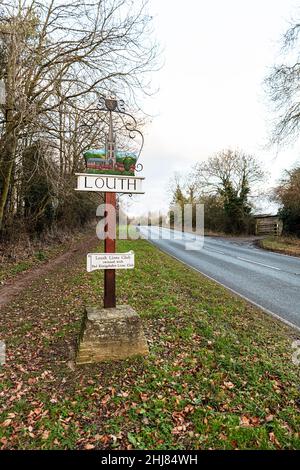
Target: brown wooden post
[110, 247]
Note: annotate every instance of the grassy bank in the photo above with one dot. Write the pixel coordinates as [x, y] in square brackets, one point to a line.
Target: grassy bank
[286, 245]
[25, 254]
[219, 374]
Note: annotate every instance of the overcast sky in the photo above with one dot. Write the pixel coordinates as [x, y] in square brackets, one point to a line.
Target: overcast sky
[216, 55]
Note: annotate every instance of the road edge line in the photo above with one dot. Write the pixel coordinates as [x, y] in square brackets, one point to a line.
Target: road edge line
[274, 315]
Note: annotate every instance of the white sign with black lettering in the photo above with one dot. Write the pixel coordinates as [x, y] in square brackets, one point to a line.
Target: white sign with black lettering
[109, 183]
[109, 261]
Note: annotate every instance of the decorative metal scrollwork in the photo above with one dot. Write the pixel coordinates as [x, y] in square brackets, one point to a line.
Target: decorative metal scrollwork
[111, 104]
[118, 106]
[121, 106]
[139, 167]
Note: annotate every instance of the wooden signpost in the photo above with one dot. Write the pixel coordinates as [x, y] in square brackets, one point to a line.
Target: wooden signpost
[110, 247]
[110, 185]
[114, 332]
[122, 180]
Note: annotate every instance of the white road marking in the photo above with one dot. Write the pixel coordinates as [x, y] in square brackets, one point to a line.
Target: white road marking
[216, 251]
[261, 264]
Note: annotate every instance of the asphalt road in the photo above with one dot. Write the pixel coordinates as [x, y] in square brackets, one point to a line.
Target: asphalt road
[269, 280]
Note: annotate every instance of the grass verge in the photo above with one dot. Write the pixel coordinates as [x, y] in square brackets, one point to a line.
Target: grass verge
[285, 245]
[219, 374]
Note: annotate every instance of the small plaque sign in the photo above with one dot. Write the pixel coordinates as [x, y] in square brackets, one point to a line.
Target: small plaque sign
[109, 261]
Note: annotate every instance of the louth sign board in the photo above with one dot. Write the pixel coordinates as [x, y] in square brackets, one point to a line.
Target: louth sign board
[109, 261]
[109, 183]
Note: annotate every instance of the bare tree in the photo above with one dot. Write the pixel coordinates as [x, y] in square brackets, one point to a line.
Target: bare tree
[56, 58]
[231, 175]
[283, 87]
[232, 166]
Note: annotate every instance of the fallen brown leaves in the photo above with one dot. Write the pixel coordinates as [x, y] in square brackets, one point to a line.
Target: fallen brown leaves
[198, 388]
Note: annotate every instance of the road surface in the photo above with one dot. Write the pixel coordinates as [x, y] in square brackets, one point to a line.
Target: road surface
[269, 280]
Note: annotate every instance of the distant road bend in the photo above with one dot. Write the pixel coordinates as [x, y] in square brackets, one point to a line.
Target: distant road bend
[268, 280]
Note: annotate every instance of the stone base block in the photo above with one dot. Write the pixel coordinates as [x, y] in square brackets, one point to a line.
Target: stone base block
[111, 334]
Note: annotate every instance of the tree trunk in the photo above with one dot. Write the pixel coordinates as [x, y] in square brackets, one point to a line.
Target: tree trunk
[8, 158]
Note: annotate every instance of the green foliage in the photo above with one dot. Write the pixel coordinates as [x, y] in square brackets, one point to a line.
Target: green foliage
[19, 267]
[41, 255]
[214, 214]
[288, 195]
[76, 210]
[236, 207]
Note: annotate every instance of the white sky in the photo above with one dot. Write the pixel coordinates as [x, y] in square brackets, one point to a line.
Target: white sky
[216, 55]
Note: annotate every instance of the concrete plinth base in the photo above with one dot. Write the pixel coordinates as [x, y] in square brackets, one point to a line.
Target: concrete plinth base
[111, 333]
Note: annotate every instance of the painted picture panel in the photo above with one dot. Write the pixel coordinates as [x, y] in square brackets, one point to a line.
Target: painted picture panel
[98, 161]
